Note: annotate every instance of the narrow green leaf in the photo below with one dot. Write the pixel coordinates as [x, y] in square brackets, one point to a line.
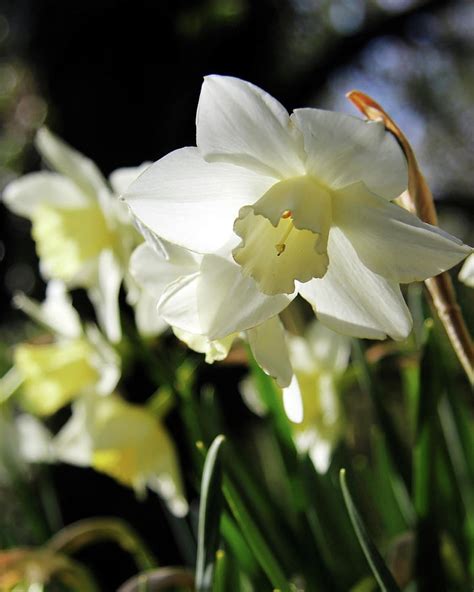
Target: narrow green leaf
[427, 470]
[209, 517]
[398, 452]
[255, 539]
[237, 544]
[377, 565]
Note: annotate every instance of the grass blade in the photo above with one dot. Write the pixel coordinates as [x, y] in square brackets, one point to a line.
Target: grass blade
[209, 517]
[255, 539]
[377, 565]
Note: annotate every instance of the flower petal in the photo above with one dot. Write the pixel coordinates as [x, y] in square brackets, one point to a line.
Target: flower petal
[23, 196]
[352, 300]
[331, 351]
[105, 294]
[193, 203]
[69, 162]
[229, 302]
[466, 275]
[122, 178]
[215, 350]
[392, 242]
[56, 312]
[268, 345]
[343, 149]
[154, 272]
[218, 300]
[238, 122]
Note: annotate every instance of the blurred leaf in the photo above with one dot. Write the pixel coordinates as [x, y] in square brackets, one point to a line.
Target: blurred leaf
[395, 446]
[226, 574]
[255, 539]
[428, 565]
[379, 569]
[239, 547]
[462, 477]
[393, 499]
[209, 516]
[72, 538]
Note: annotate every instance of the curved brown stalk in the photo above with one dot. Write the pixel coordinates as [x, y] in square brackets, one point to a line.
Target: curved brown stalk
[159, 579]
[419, 200]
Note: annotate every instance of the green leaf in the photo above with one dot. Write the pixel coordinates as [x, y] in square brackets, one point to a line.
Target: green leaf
[395, 445]
[255, 539]
[209, 516]
[377, 565]
[426, 470]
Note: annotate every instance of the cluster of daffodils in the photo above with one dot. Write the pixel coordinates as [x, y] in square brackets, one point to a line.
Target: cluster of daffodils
[215, 241]
[84, 238]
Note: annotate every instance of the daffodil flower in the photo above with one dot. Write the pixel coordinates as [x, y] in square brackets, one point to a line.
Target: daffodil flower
[123, 440]
[312, 403]
[83, 233]
[279, 205]
[72, 363]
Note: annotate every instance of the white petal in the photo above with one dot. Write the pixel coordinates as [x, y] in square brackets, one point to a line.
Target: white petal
[73, 444]
[148, 321]
[25, 194]
[343, 149]
[122, 178]
[179, 304]
[466, 274]
[353, 300]
[34, 439]
[69, 162]
[268, 345]
[218, 300]
[192, 203]
[240, 123]
[105, 294]
[154, 272]
[215, 350]
[292, 401]
[106, 361]
[392, 242]
[56, 313]
[331, 351]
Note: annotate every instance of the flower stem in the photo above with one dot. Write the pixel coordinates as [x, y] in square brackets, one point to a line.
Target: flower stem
[419, 200]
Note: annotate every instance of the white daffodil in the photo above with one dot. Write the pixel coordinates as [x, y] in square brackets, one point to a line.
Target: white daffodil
[83, 233]
[51, 375]
[120, 439]
[279, 205]
[199, 313]
[466, 275]
[312, 401]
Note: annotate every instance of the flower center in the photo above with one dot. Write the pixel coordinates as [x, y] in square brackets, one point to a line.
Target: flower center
[284, 235]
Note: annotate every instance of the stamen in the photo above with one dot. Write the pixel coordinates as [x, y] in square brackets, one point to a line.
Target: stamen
[281, 246]
[286, 214]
